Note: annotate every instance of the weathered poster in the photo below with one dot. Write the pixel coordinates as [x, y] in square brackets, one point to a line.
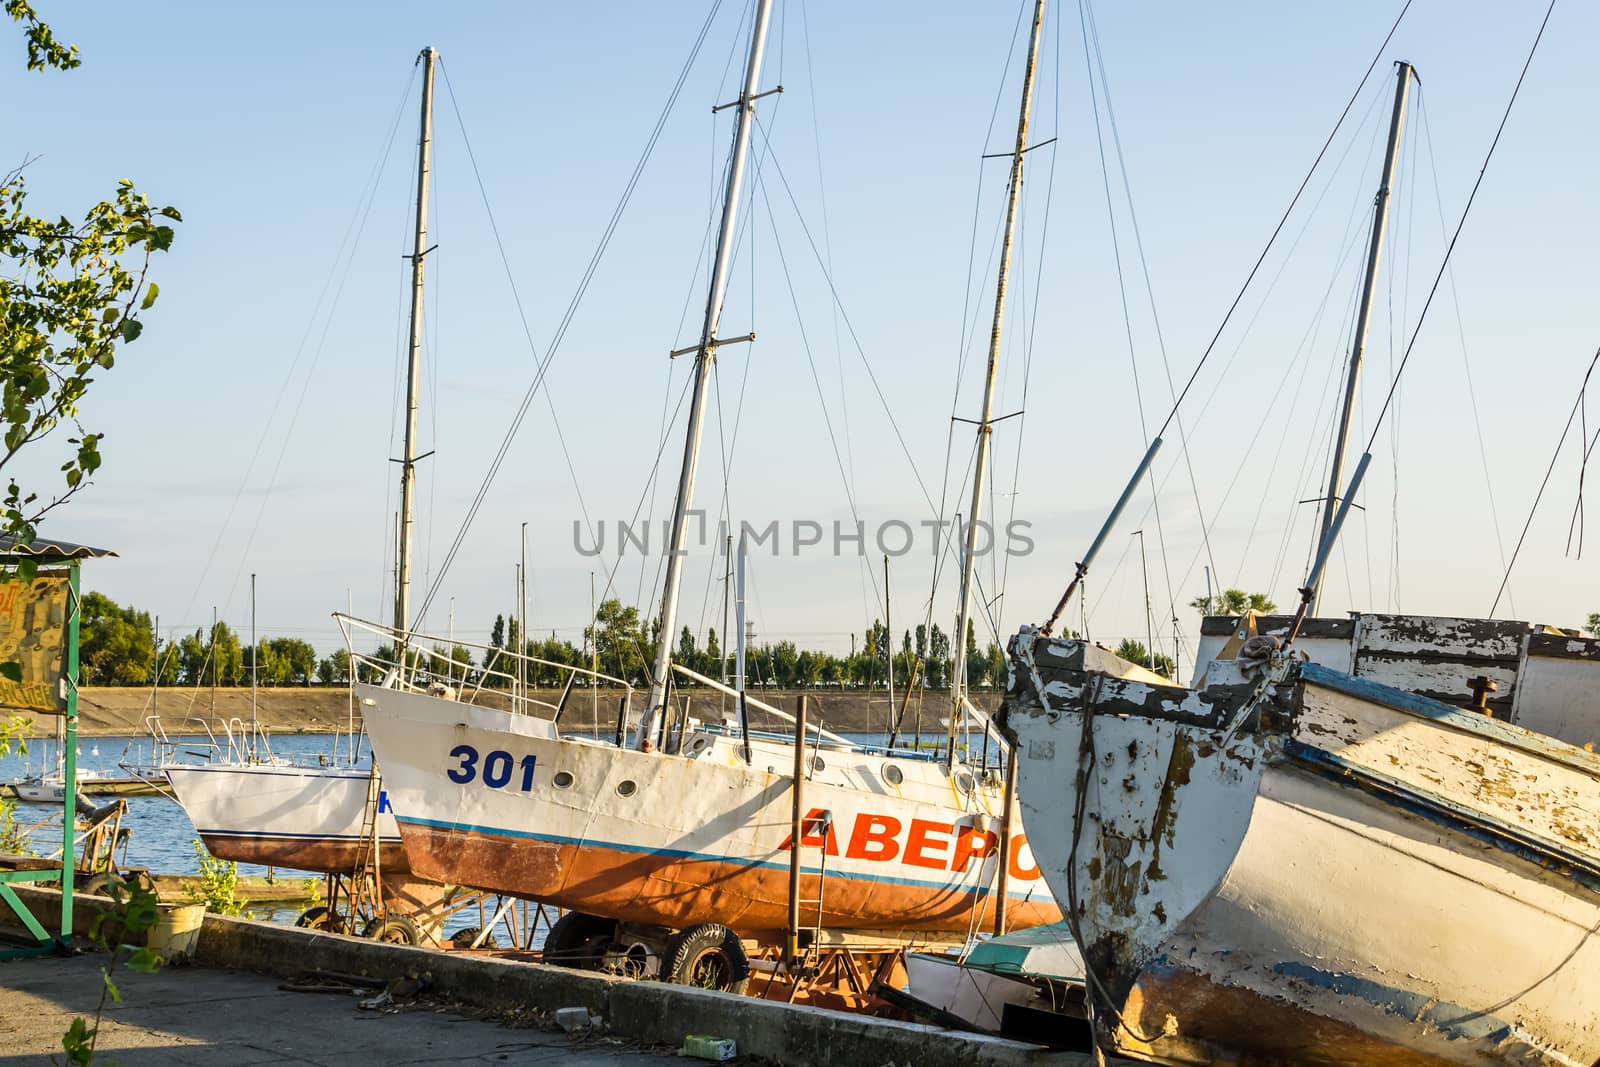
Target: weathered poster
[33, 635]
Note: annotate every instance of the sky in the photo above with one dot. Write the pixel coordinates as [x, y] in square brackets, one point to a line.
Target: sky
[251, 428]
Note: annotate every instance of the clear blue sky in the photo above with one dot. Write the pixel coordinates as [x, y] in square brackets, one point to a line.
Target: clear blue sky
[263, 123]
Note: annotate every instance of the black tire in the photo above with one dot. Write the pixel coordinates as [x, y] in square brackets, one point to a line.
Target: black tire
[321, 918]
[578, 940]
[393, 930]
[465, 938]
[707, 956]
[96, 885]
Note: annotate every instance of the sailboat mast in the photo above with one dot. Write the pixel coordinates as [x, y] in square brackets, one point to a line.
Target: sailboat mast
[1369, 285]
[705, 355]
[408, 462]
[958, 680]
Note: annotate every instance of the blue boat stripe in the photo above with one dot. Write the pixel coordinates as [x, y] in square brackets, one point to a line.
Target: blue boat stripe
[557, 839]
[1546, 853]
[248, 834]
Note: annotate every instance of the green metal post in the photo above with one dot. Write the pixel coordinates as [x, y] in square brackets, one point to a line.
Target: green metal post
[69, 767]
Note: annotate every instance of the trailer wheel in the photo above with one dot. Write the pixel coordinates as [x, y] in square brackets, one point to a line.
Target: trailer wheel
[321, 918]
[708, 956]
[465, 938]
[393, 930]
[578, 940]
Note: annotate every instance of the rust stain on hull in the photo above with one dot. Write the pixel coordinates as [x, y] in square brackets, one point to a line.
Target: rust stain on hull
[1189, 1015]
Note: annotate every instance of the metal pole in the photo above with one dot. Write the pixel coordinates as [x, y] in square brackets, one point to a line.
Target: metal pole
[593, 650]
[888, 626]
[69, 765]
[408, 462]
[797, 817]
[214, 664]
[958, 681]
[1149, 617]
[514, 638]
[522, 610]
[255, 659]
[1003, 879]
[1369, 285]
[704, 357]
[727, 591]
[744, 707]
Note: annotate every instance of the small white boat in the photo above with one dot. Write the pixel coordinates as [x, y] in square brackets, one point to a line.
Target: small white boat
[1019, 984]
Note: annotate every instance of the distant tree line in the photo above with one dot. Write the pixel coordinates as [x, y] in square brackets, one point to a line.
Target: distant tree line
[119, 647]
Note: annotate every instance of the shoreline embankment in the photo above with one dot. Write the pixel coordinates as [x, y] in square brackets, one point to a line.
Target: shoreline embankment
[125, 710]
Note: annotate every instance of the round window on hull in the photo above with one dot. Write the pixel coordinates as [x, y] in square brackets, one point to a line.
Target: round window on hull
[562, 780]
[893, 774]
[627, 788]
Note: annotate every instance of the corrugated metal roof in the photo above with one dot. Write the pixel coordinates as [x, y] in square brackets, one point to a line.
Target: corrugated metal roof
[51, 548]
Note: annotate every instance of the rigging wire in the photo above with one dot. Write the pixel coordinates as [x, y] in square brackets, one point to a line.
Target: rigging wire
[1466, 364]
[566, 320]
[1227, 317]
[1543, 485]
[516, 299]
[1465, 211]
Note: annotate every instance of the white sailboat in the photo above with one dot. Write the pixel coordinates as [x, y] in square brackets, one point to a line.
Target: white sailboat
[689, 839]
[326, 818]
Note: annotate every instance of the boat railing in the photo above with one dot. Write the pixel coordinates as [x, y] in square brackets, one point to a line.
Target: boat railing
[190, 735]
[501, 675]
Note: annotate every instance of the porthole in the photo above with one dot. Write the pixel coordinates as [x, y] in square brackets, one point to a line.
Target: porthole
[698, 745]
[817, 766]
[562, 780]
[964, 781]
[893, 774]
[627, 787]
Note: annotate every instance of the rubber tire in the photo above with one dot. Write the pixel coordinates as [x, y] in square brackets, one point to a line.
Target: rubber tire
[578, 941]
[96, 885]
[321, 917]
[464, 938]
[393, 930]
[694, 948]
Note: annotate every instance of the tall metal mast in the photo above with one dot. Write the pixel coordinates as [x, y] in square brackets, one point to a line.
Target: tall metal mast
[958, 680]
[408, 462]
[705, 354]
[1358, 343]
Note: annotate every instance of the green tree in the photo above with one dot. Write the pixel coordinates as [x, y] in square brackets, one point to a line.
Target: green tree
[713, 653]
[116, 643]
[1135, 652]
[334, 668]
[1594, 623]
[1235, 602]
[618, 638]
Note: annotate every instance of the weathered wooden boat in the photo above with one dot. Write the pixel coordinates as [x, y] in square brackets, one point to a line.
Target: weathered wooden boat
[1300, 862]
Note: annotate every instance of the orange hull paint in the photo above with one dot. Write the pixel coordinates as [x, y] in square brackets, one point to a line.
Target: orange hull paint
[320, 855]
[674, 891]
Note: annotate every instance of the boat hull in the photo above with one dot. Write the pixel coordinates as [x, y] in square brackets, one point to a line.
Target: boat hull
[1382, 880]
[306, 819]
[675, 841]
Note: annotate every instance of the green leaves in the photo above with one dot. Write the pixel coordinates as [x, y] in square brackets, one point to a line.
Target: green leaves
[71, 294]
[43, 48]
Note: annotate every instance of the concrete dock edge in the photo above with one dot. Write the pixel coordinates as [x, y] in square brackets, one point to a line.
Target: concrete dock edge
[649, 1012]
